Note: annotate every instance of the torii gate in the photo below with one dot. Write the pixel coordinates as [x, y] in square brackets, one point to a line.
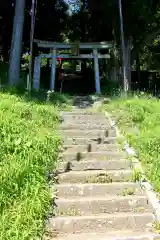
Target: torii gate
[94, 47]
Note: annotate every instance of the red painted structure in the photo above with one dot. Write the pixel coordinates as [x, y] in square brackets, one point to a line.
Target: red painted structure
[60, 67]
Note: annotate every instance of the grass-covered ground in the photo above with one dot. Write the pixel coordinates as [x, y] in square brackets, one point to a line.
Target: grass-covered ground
[29, 143]
[138, 118]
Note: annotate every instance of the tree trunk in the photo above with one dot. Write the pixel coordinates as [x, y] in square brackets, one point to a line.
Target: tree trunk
[138, 66]
[114, 75]
[15, 55]
[128, 48]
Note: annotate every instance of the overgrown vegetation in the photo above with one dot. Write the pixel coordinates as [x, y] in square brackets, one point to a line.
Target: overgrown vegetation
[138, 117]
[29, 144]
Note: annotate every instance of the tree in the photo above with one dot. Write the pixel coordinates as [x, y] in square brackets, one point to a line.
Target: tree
[139, 18]
[15, 55]
[90, 21]
[6, 19]
[52, 13]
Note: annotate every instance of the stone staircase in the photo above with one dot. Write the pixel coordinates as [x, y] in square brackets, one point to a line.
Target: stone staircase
[96, 197]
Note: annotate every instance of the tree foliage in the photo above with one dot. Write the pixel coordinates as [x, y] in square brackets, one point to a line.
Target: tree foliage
[91, 20]
[50, 23]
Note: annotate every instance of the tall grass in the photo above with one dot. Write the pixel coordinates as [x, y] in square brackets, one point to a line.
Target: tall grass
[29, 144]
[139, 119]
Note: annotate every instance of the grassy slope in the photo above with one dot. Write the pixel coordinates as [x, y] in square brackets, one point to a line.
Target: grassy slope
[139, 119]
[28, 151]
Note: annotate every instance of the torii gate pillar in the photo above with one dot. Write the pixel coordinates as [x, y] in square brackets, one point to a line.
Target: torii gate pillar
[96, 70]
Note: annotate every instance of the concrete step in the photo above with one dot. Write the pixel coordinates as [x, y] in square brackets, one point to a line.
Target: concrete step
[87, 140]
[92, 147]
[81, 112]
[83, 98]
[95, 176]
[94, 165]
[89, 133]
[96, 196]
[100, 223]
[84, 119]
[101, 155]
[118, 235]
[97, 205]
[83, 126]
[97, 189]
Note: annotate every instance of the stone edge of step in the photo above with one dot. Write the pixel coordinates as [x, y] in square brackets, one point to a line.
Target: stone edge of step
[90, 185]
[112, 153]
[90, 140]
[94, 161]
[128, 204]
[101, 216]
[111, 236]
[148, 218]
[123, 175]
[95, 198]
[129, 171]
[84, 145]
[126, 184]
[144, 182]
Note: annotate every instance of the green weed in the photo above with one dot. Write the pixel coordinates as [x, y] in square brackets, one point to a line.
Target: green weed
[29, 145]
[136, 175]
[138, 118]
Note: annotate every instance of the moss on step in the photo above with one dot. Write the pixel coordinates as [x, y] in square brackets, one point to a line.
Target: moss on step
[50, 234]
[89, 147]
[128, 191]
[157, 227]
[100, 178]
[99, 140]
[69, 212]
[79, 156]
[68, 167]
[139, 209]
